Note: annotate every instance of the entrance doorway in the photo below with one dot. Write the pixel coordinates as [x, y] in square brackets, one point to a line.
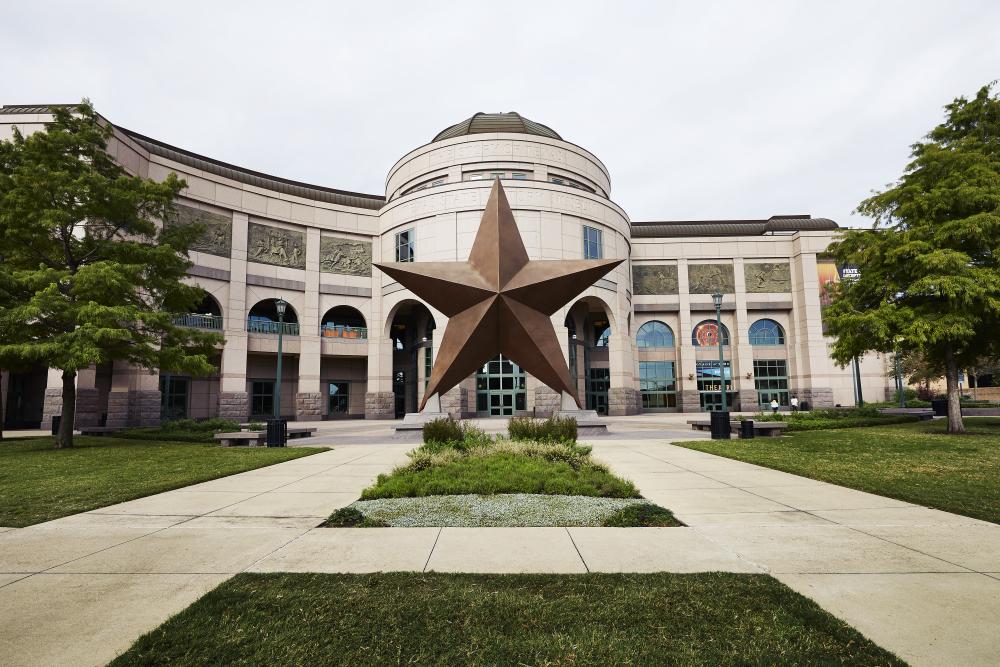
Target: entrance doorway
[598, 382]
[500, 388]
[338, 401]
[24, 394]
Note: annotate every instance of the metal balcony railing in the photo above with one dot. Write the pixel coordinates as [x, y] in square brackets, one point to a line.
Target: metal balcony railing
[200, 321]
[269, 327]
[342, 331]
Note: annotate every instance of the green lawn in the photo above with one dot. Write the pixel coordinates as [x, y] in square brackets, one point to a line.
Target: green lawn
[38, 483]
[918, 462]
[468, 619]
[503, 472]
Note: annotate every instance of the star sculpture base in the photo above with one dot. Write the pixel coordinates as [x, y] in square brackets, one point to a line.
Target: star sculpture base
[499, 302]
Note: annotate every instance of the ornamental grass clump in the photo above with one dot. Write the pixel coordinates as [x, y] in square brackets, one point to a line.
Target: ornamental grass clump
[553, 429]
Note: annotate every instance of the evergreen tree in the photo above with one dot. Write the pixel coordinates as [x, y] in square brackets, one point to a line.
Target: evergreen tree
[930, 267]
[97, 278]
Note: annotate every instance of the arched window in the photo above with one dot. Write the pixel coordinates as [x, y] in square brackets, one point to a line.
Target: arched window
[263, 318]
[766, 332]
[602, 335]
[655, 334]
[343, 322]
[706, 334]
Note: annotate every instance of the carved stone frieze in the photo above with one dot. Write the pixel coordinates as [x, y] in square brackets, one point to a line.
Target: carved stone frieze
[217, 239]
[346, 256]
[654, 278]
[711, 278]
[276, 245]
[768, 277]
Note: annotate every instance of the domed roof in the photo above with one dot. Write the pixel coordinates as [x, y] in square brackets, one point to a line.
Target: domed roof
[483, 123]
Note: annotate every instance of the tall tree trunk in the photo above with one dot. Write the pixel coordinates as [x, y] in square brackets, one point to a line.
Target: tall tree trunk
[65, 437]
[955, 423]
[3, 406]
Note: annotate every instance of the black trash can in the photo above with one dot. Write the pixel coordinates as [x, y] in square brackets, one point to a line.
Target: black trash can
[721, 429]
[277, 432]
[940, 407]
[56, 421]
[746, 429]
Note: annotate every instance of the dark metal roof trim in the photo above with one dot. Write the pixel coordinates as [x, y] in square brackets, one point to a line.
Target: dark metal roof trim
[685, 228]
[488, 123]
[226, 170]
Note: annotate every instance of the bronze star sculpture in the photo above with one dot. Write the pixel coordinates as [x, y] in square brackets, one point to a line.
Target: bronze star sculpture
[499, 301]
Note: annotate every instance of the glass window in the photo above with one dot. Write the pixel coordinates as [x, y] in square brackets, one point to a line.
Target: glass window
[262, 398]
[602, 333]
[771, 381]
[593, 245]
[173, 397]
[475, 177]
[766, 332]
[557, 181]
[655, 334]
[519, 175]
[706, 334]
[598, 383]
[496, 175]
[657, 385]
[404, 246]
[500, 388]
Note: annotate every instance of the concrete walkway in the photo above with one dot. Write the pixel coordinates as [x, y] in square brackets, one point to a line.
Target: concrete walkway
[922, 583]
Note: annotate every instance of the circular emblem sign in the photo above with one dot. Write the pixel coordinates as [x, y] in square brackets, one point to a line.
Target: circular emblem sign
[707, 334]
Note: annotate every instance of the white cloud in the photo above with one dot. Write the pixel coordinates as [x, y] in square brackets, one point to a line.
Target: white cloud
[700, 110]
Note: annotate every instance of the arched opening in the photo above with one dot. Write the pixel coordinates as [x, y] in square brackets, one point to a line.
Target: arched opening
[710, 371]
[706, 334]
[411, 331]
[595, 334]
[766, 332]
[343, 322]
[263, 318]
[654, 334]
[206, 315]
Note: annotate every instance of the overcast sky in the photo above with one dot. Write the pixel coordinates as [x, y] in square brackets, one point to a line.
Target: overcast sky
[700, 110]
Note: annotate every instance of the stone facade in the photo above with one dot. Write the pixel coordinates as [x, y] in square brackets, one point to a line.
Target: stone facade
[817, 397]
[690, 400]
[623, 401]
[51, 406]
[234, 405]
[133, 408]
[380, 405]
[308, 406]
[547, 401]
[456, 403]
[88, 407]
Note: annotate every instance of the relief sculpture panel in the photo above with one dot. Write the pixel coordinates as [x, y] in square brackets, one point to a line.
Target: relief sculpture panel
[711, 278]
[217, 237]
[768, 277]
[346, 256]
[277, 246]
[654, 278]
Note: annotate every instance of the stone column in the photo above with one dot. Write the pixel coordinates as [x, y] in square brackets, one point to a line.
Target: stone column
[741, 352]
[813, 377]
[686, 371]
[234, 400]
[380, 402]
[134, 399]
[52, 403]
[88, 400]
[309, 399]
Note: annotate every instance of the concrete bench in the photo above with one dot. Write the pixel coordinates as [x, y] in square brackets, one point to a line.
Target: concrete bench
[922, 413]
[300, 431]
[251, 438]
[763, 429]
[99, 430]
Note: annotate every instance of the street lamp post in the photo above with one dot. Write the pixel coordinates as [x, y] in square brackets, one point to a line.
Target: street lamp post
[280, 305]
[717, 298]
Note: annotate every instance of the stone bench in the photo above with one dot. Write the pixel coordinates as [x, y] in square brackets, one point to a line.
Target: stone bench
[301, 431]
[922, 413]
[250, 438]
[763, 429]
[99, 430]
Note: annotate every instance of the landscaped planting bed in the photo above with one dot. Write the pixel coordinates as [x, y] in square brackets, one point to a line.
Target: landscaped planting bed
[816, 420]
[473, 479]
[480, 619]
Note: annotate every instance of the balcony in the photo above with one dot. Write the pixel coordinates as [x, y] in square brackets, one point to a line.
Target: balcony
[343, 332]
[269, 327]
[195, 321]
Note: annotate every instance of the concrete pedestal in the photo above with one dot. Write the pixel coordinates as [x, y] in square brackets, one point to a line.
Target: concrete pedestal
[588, 422]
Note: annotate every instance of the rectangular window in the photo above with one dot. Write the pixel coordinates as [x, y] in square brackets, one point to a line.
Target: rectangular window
[495, 175]
[475, 177]
[404, 246]
[593, 244]
[519, 176]
[657, 385]
[262, 398]
[173, 397]
[771, 382]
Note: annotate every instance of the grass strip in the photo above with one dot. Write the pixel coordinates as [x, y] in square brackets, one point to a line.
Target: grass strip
[468, 619]
[38, 483]
[918, 463]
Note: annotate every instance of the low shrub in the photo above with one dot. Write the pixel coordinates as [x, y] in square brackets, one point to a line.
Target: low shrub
[827, 418]
[553, 429]
[214, 425]
[180, 430]
[442, 430]
[645, 515]
[350, 517]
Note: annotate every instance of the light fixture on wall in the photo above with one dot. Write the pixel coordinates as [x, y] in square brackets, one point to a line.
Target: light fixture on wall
[749, 375]
[690, 376]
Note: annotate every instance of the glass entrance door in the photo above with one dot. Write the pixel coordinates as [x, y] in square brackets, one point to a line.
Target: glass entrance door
[500, 388]
[598, 383]
[338, 402]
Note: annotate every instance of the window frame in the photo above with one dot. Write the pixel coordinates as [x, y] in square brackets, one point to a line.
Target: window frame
[589, 242]
[410, 245]
[767, 333]
[641, 338]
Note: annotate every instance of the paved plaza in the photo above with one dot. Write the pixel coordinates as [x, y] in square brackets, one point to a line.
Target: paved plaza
[922, 583]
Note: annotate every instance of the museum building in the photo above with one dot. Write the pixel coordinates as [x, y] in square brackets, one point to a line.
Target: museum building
[355, 343]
